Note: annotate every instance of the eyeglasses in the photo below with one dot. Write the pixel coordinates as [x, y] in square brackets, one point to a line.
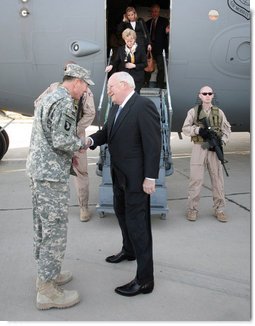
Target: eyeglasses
[209, 93]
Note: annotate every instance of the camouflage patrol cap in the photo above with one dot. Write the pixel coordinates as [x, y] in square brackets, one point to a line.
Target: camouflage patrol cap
[74, 70]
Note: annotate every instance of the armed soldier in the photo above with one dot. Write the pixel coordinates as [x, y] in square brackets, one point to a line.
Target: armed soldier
[204, 155]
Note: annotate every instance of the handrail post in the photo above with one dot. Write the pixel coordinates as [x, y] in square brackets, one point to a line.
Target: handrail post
[103, 91]
[167, 86]
[167, 128]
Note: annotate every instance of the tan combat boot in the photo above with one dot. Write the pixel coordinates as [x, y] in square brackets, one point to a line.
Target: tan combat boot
[49, 296]
[84, 214]
[192, 215]
[63, 278]
[221, 216]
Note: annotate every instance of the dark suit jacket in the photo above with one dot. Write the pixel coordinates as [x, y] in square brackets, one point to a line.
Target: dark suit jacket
[161, 38]
[134, 142]
[140, 61]
[142, 33]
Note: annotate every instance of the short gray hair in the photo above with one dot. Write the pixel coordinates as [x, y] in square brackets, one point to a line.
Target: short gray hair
[123, 76]
[128, 32]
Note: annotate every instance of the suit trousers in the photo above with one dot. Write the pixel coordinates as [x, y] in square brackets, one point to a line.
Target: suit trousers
[133, 212]
[160, 72]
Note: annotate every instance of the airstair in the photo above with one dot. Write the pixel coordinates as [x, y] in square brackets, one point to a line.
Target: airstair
[162, 100]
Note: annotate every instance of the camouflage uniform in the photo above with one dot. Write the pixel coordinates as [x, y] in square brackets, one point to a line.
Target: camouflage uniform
[81, 181]
[201, 157]
[53, 142]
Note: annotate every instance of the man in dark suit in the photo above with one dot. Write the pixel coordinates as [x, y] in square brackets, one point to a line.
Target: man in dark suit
[159, 32]
[132, 132]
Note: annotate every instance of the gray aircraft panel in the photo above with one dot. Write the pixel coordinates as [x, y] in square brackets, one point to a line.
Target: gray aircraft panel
[210, 52]
[39, 37]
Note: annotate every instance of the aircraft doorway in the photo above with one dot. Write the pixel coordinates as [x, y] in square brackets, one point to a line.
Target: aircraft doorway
[114, 16]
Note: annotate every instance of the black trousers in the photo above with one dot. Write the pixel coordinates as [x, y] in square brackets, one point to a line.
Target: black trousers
[133, 212]
[160, 74]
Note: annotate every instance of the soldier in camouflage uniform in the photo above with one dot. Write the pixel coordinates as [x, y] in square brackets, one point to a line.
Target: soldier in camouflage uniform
[86, 115]
[53, 142]
[202, 157]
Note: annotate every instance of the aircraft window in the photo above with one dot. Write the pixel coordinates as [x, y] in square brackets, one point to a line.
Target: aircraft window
[213, 14]
[243, 51]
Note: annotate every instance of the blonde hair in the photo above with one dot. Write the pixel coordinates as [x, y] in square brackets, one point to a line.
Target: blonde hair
[128, 32]
[133, 10]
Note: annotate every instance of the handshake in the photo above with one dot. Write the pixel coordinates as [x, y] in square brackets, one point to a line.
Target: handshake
[86, 143]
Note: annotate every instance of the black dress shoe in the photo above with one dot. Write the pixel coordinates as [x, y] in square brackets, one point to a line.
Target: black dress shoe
[119, 257]
[134, 288]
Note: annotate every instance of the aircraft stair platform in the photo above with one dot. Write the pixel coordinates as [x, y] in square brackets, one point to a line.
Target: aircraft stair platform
[159, 198]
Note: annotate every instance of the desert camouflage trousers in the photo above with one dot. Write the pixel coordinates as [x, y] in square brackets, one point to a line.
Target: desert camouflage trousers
[50, 218]
[201, 159]
[81, 181]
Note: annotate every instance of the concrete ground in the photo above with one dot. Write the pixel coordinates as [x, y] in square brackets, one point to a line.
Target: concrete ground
[202, 268]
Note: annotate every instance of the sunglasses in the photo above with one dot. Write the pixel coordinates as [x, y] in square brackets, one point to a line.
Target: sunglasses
[209, 93]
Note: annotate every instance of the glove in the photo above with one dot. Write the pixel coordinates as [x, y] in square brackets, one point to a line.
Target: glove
[204, 133]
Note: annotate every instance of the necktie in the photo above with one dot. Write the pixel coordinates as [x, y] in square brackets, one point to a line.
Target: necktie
[153, 29]
[117, 114]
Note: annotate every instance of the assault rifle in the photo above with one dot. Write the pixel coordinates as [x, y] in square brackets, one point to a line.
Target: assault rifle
[214, 142]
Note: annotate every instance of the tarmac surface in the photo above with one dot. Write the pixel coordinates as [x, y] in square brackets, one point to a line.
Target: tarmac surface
[202, 268]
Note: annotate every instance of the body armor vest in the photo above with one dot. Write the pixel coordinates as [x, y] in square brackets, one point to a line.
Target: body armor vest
[214, 118]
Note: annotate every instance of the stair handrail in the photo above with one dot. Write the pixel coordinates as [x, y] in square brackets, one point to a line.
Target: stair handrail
[167, 87]
[166, 127]
[99, 108]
